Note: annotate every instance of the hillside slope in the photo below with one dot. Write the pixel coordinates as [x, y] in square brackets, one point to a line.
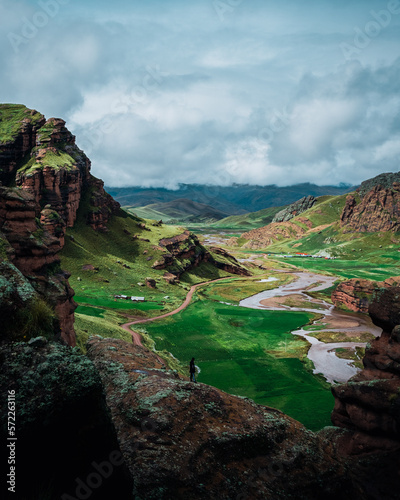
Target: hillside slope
[247, 221]
[333, 224]
[365, 240]
[179, 211]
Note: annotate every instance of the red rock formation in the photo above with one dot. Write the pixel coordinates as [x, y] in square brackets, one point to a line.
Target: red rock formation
[170, 278]
[60, 188]
[295, 209]
[356, 294]
[64, 179]
[53, 223]
[13, 151]
[375, 206]
[35, 248]
[228, 262]
[187, 247]
[103, 206]
[55, 174]
[369, 403]
[59, 185]
[264, 236]
[185, 440]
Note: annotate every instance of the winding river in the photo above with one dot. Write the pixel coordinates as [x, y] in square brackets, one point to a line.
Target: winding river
[322, 354]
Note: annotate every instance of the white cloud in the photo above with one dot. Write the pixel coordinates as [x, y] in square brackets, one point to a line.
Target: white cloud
[159, 93]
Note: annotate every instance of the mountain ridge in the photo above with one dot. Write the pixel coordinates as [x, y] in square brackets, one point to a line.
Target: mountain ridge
[237, 199]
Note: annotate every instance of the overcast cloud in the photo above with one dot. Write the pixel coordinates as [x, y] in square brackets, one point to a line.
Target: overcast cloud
[253, 91]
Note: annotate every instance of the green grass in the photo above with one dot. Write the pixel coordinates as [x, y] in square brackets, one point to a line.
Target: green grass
[147, 213]
[249, 353]
[333, 337]
[104, 323]
[248, 221]
[11, 116]
[326, 210]
[50, 159]
[119, 304]
[356, 355]
[372, 256]
[348, 269]
[236, 289]
[109, 253]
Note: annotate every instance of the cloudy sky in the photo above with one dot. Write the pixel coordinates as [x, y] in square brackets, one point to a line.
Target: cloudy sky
[161, 92]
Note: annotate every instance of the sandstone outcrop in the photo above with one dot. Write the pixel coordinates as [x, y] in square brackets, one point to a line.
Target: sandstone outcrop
[295, 209]
[356, 294]
[33, 249]
[222, 259]
[186, 440]
[374, 207]
[369, 403]
[102, 205]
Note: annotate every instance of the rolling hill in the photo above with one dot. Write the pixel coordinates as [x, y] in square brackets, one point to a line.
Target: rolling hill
[180, 211]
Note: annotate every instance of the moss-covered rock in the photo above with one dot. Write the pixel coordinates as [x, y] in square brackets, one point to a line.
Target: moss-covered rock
[62, 423]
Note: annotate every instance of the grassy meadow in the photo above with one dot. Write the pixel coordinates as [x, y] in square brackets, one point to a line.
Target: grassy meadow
[249, 353]
[246, 352]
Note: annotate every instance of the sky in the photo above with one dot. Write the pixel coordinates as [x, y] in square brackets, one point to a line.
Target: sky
[213, 92]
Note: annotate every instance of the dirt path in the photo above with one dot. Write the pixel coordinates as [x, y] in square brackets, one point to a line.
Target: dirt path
[136, 339]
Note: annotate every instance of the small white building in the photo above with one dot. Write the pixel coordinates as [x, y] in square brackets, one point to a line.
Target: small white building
[138, 299]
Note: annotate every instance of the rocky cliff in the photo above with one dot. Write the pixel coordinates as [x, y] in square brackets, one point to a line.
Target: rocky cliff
[124, 426]
[181, 439]
[63, 425]
[369, 403]
[374, 207]
[267, 235]
[53, 181]
[356, 294]
[295, 209]
[18, 131]
[32, 247]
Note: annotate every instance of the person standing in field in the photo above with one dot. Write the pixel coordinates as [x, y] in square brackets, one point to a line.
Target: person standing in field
[192, 370]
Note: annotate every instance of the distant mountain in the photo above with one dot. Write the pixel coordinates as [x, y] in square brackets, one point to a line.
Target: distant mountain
[232, 200]
[181, 210]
